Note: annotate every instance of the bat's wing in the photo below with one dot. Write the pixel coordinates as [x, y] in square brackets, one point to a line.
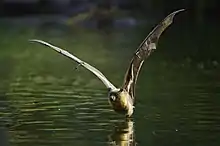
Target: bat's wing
[144, 50]
[95, 71]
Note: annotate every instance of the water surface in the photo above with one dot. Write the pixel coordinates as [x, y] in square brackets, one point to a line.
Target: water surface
[45, 101]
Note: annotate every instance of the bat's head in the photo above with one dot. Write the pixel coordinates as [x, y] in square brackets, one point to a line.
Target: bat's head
[114, 95]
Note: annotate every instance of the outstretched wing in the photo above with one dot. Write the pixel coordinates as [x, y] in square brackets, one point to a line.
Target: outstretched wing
[95, 71]
[144, 50]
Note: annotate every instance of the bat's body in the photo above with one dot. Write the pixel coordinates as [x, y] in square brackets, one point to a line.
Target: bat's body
[122, 99]
[121, 102]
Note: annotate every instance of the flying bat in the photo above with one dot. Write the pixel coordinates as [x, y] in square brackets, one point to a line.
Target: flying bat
[123, 99]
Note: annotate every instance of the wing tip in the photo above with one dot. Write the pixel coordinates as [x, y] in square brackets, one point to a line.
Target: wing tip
[34, 40]
[180, 10]
[31, 40]
[177, 11]
[41, 42]
[170, 17]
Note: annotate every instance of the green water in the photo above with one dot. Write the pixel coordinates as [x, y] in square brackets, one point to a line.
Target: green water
[45, 101]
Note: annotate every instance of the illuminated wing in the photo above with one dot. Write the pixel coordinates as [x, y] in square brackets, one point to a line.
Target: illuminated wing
[95, 71]
[144, 50]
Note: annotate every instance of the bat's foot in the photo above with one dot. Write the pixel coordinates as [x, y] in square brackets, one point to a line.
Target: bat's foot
[128, 118]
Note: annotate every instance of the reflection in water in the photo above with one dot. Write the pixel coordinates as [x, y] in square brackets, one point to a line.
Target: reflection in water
[123, 134]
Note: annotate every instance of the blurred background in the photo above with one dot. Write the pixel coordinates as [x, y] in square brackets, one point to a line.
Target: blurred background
[195, 30]
[45, 101]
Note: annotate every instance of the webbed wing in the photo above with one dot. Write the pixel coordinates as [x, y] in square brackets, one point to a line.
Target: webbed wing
[95, 71]
[144, 50]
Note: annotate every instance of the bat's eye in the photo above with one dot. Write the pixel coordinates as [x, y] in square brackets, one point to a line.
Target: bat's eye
[112, 98]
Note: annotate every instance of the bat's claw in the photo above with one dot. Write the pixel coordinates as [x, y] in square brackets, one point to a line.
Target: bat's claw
[76, 68]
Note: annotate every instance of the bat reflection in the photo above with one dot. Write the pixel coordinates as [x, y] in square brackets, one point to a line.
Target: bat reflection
[123, 134]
